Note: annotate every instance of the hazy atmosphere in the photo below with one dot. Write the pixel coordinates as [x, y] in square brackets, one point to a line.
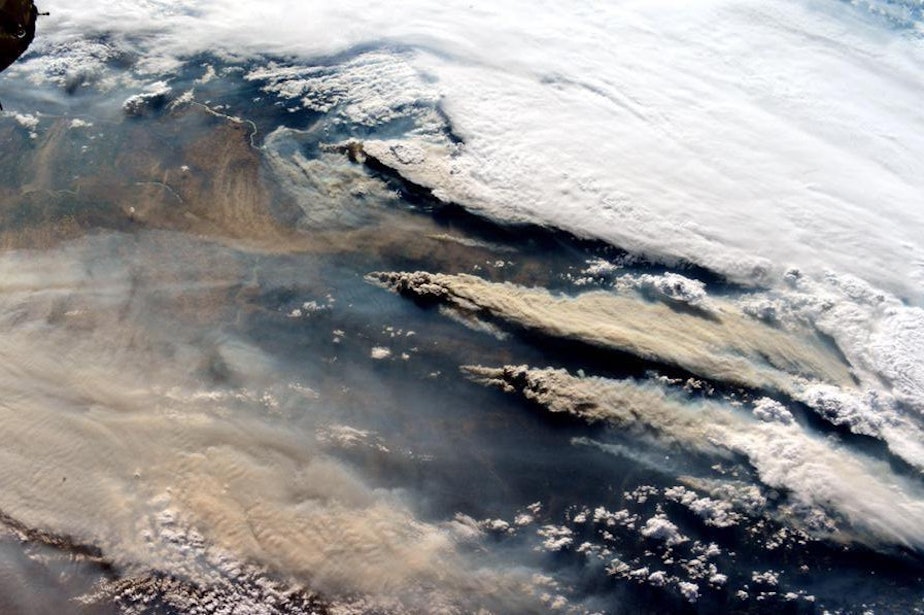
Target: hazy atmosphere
[463, 307]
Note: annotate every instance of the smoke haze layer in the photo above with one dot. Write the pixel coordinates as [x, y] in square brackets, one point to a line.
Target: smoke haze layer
[258, 262]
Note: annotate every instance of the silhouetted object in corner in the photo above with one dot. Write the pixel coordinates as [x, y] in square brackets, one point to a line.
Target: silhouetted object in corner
[17, 29]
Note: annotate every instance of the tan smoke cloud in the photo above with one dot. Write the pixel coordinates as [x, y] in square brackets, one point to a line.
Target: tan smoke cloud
[729, 347]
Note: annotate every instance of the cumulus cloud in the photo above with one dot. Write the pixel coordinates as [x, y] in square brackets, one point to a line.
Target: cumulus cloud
[660, 528]
[717, 513]
[672, 288]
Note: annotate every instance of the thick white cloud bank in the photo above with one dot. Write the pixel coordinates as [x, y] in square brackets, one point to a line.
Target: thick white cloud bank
[743, 135]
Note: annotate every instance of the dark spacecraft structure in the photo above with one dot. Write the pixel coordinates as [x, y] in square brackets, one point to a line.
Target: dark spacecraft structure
[17, 29]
